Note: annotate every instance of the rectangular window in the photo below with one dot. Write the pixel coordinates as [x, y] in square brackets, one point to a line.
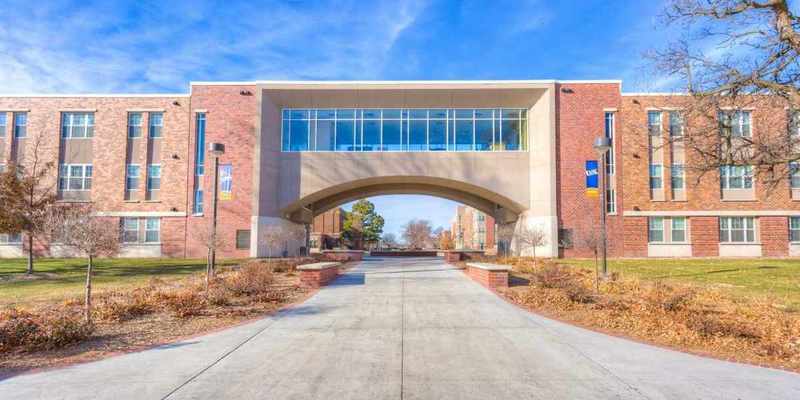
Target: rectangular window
[77, 125]
[736, 177]
[153, 177]
[10, 238]
[737, 230]
[130, 230]
[198, 202]
[794, 229]
[134, 125]
[243, 239]
[656, 179]
[678, 232]
[735, 123]
[655, 229]
[132, 177]
[200, 144]
[611, 201]
[794, 175]
[609, 130]
[654, 123]
[74, 177]
[156, 124]
[20, 125]
[794, 123]
[675, 124]
[225, 178]
[152, 230]
[3, 124]
[677, 176]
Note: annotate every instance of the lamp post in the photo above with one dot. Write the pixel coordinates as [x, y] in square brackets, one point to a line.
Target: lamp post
[216, 149]
[602, 144]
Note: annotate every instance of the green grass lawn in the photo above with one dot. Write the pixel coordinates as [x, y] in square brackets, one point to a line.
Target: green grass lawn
[62, 278]
[776, 277]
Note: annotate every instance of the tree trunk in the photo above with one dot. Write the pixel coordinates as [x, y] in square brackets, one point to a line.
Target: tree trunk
[534, 256]
[88, 309]
[30, 254]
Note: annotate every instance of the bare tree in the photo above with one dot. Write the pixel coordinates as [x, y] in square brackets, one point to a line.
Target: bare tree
[735, 55]
[78, 227]
[589, 237]
[418, 234]
[27, 191]
[389, 240]
[296, 233]
[445, 240]
[532, 237]
[505, 234]
[211, 241]
[272, 237]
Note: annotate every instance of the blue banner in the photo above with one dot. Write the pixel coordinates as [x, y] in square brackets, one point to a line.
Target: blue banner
[592, 175]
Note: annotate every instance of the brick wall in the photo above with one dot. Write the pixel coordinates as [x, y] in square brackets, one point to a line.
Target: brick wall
[774, 236]
[705, 236]
[635, 237]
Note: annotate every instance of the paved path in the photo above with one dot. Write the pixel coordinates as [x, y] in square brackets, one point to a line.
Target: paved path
[406, 329]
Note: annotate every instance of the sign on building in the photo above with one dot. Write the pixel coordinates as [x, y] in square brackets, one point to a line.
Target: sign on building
[592, 178]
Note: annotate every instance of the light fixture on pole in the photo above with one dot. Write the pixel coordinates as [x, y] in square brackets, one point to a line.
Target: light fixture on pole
[602, 145]
[217, 150]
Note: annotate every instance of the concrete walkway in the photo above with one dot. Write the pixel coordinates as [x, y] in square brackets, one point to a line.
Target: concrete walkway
[408, 328]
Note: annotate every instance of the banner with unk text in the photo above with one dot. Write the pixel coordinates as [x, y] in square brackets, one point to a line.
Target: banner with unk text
[592, 178]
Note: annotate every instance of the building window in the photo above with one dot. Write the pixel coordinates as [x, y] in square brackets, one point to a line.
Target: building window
[153, 177]
[225, 178]
[200, 144]
[2, 168]
[10, 238]
[395, 129]
[611, 201]
[156, 124]
[737, 230]
[242, 239]
[736, 177]
[3, 124]
[794, 229]
[678, 232]
[735, 123]
[198, 202]
[675, 124]
[77, 125]
[152, 230]
[132, 177]
[656, 180]
[130, 230]
[655, 229]
[677, 176]
[794, 123]
[134, 125]
[74, 177]
[654, 123]
[794, 175]
[20, 125]
[609, 130]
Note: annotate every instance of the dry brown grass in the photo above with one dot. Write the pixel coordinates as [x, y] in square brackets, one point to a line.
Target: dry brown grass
[707, 321]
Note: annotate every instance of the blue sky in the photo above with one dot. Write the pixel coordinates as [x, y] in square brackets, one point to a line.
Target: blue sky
[159, 46]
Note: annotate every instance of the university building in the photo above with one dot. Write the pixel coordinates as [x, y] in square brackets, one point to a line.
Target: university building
[514, 150]
[472, 230]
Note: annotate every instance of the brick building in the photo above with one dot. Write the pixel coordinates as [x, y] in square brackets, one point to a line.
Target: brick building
[326, 231]
[515, 150]
[472, 229]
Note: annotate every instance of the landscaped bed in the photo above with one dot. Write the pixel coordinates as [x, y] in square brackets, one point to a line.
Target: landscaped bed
[50, 333]
[700, 317]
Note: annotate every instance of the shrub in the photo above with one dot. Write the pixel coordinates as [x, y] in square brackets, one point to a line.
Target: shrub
[28, 331]
[62, 329]
[579, 293]
[122, 307]
[218, 296]
[708, 324]
[183, 303]
[552, 276]
[668, 298]
[17, 329]
[251, 279]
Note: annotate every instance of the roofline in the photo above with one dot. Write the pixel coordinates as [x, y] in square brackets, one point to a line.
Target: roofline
[56, 95]
[655, 94]
[397, 82]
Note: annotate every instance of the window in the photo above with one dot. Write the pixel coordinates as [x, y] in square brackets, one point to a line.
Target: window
[654, 123]
[156, 124]
[198, 202]
[565, 238]
[675, 124]
[77, 125]
[134, 125]
[20, 125]
[794, 229]
[152, 230]
[735, 123]
[3, 124]
[242, 239]
[130, 230]
[655, 231]
[677, 178]
[154, 177]
[225, 178]
[200, 144]
[397, 129]
[737, 230]
[794, 123]
[10, 238]
[73, 177]
[611, 201]
[736, 177]
[678, 233]
[794, 175]
[656, 180]
[132, 177]
[609, 129]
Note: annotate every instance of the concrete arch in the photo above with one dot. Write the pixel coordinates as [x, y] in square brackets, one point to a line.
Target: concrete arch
[503, 209]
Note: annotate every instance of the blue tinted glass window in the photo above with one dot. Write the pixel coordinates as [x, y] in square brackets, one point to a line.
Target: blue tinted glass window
[298, 135]
[200, 143]
[418, 135]
[437, 135]
[345, 140]
[483, 135]
[463, 135]
[372, 135]
[392, 140]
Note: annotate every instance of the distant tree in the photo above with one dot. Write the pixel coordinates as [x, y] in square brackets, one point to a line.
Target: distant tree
[505, 235]
[389, 240]
[418, 233]
[445, 240]
[272, 237]
[531, 237]
[27, 191]
[734, 55]
[78, 227]
[362, 223]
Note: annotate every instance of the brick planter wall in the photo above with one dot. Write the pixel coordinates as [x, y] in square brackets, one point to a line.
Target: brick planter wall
[489, 275]
[343, 255]
[452, 256]
[318, 274]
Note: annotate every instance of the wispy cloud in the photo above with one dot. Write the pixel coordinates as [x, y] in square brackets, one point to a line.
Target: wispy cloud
[160, 46]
